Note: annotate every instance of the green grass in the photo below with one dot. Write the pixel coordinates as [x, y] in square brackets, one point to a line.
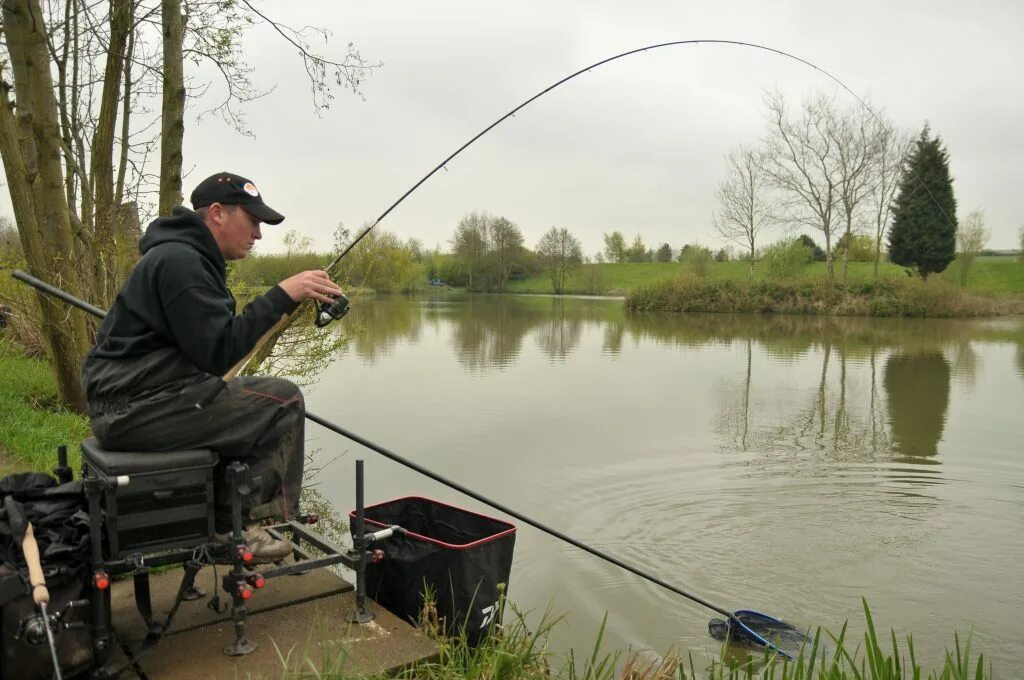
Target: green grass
[515, 652]
[31, 422]
[988, 276]
[991, 275]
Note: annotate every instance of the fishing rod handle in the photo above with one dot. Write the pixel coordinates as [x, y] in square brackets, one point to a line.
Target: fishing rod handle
[233, 371]
[35, 568]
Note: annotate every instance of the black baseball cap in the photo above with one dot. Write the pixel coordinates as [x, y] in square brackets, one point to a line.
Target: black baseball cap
[228, 188]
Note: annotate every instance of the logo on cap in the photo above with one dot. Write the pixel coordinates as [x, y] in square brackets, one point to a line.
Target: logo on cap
[250, 189]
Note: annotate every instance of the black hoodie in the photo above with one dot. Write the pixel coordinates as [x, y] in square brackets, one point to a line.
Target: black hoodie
[176, 301]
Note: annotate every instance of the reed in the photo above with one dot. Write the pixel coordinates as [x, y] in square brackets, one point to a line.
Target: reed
[514, 650]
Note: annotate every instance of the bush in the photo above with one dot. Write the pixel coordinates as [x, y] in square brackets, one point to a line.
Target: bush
[862, 249]
[817, 253]
[380, 262]
[697, 259]
[888, 297]
[786, 259]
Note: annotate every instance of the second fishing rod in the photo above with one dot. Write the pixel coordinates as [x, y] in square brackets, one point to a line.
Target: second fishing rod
[387, 453]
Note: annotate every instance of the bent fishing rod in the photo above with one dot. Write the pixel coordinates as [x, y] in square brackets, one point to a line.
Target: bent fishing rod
[328, 312]
[387, 453]
[332, 311]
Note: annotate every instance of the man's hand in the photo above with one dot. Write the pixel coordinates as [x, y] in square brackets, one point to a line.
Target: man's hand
[311, 285]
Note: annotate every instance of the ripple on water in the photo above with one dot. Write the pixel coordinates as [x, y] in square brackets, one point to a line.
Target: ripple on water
[737, 535]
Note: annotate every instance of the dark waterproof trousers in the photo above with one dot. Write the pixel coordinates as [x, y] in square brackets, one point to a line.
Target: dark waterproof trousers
[258, 421]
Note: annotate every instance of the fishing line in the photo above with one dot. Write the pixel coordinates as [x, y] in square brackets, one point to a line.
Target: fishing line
[760, 621]
[750, 625]
[735, 43]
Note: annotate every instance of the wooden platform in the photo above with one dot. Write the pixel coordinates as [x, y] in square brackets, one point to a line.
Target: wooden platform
[294, 620]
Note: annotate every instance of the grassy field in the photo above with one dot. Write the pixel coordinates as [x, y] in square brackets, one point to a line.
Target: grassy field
[31, 423]
[988, 276]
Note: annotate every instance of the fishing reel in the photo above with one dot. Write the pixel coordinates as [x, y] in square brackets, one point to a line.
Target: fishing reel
[331, 311]
[33, 628]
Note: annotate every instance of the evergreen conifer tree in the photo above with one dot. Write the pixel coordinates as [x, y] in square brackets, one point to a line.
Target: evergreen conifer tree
[923, 232]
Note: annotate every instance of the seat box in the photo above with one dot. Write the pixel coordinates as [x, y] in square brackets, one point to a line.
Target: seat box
[167, 503]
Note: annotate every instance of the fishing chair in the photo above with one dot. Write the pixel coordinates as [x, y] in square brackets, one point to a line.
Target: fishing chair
[150, 509]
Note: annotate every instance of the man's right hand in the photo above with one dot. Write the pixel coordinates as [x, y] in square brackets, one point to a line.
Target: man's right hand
[311, 285]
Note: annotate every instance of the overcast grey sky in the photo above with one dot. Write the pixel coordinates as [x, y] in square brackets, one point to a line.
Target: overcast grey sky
[636, 145]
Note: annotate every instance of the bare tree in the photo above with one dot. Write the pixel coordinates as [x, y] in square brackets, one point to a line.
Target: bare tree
[743, 198]
[77, 179]
[893, 144]
[560, 252]
[802, 162]
[172, 119]
[971, 237]
[104, 249]
[30, 145]
[854, 133]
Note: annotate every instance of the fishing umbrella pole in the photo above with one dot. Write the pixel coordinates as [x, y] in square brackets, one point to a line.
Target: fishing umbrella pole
[746, 620]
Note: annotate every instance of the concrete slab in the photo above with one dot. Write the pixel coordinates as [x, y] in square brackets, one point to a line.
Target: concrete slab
[295, 621]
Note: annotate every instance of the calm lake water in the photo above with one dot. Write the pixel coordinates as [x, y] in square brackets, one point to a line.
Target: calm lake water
[785, 464]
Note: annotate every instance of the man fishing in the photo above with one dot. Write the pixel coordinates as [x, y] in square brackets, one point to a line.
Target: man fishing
[172, 333]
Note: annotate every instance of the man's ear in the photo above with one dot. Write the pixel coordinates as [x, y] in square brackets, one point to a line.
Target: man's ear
[216, 213]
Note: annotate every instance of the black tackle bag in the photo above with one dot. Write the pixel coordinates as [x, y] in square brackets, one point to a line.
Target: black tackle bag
[60, 523]
[458, 556]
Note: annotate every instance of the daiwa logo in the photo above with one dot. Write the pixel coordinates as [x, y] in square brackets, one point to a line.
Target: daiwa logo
[488, 613]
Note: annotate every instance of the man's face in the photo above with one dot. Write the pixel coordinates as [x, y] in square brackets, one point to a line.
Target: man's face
[235, 230]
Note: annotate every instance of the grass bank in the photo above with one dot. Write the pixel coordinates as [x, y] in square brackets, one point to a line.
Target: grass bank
[514, 652]
[989, 276]
[32, 424]
[904, 297]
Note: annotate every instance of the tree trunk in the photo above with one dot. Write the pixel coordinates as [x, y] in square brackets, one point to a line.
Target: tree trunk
[830, 265]
[172, 128]
[126, 119]
[846, 250]
[105, 274]
[31, 149]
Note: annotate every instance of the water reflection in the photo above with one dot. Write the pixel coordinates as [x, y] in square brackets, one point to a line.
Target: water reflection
[377, 328]
[485, 334]
[560, 334]
[871, 387]
[918, 389]
[489, 331]
[798, 462]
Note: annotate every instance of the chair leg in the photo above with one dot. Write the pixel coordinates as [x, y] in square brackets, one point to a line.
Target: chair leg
[234, 582]
[100, 591]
